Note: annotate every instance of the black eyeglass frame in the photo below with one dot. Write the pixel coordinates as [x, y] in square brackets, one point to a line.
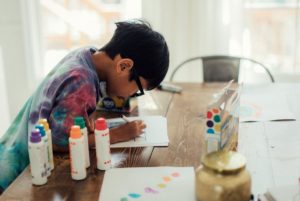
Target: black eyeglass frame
[139, 84]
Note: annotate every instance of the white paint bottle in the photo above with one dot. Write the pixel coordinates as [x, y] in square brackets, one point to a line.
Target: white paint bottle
[79, 121]
[45, 139]
[102, 145]
[77, 155]
[44, 122]
[36, 149]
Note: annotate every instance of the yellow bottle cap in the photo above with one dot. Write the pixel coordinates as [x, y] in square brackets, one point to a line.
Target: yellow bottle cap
[45, 124]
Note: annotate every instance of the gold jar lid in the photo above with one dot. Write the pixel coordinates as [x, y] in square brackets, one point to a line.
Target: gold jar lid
[224, 161]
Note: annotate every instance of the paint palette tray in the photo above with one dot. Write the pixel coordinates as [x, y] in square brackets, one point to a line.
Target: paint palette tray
[222, 121]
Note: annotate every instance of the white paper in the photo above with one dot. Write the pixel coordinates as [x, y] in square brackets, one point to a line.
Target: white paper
[264, 107]
[285, 193]
[155, 134]
[148, 184]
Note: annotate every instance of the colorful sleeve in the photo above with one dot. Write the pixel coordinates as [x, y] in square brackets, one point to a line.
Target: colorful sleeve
[76, 98]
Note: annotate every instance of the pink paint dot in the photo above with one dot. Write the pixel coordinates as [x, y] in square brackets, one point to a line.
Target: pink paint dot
[175, 174]
[150, 190]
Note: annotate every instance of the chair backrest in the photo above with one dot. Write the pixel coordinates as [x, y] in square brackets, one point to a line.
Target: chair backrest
[221, 68]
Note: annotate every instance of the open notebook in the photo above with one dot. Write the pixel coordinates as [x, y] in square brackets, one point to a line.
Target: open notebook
[155, 134]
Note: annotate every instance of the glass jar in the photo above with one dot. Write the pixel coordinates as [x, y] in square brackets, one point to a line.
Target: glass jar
[223, 177]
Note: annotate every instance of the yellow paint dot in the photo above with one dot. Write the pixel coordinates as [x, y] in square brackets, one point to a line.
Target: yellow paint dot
[217, 128]
[162, 185]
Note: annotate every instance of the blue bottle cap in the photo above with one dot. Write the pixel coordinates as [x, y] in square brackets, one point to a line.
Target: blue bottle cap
[41, 128]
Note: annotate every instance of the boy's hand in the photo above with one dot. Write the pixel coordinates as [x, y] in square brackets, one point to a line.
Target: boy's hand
[127, 131]
[90, 124]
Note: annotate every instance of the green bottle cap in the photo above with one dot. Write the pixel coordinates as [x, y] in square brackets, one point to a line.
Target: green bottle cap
[79, 121]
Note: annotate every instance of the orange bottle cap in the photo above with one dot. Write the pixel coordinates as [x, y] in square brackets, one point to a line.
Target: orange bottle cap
[75, 132]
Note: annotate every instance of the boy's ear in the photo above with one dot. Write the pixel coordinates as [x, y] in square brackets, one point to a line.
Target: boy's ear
[124, 65]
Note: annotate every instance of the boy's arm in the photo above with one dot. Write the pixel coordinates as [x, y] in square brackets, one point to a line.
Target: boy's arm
[127, 131]
[60, 149]
[122, 133]
[76, 98]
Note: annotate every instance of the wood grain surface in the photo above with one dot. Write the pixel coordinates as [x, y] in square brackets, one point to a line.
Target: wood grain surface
[185, 117]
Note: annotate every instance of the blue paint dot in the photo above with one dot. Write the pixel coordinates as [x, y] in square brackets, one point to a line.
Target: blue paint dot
[210, 131]
[134, 195]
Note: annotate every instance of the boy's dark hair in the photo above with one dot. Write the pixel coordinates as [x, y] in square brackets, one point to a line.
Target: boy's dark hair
[147, 48]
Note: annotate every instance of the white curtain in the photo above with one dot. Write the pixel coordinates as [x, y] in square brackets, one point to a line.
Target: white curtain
[20, 56]
[5, 117]
[197, 28]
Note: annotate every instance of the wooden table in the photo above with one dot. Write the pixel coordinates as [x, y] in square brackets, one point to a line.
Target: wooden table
[185, 130]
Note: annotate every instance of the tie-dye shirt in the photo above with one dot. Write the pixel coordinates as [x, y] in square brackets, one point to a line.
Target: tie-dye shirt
[70, 89]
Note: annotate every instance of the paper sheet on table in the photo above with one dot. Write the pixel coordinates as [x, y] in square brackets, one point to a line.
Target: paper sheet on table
[284, 193]
[155, 134]
[265, 107]
[148, 184]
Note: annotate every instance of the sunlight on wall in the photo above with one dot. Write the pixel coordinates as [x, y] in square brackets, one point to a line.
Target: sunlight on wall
[4, 123]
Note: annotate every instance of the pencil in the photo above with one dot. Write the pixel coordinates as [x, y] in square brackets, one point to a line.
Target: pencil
[125, 118]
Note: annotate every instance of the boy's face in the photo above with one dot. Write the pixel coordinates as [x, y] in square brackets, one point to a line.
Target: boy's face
[119, 83]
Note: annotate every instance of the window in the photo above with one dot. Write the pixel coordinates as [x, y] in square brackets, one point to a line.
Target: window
[69, 24]
[272, 28]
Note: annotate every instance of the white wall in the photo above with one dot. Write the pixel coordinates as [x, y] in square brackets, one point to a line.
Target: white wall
[15, 66]
[5, 117]
[178, 21]
[198, 28]
[191, 28]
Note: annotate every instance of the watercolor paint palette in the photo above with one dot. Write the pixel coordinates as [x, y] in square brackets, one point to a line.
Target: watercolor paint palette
[148, 184]
[222, 120]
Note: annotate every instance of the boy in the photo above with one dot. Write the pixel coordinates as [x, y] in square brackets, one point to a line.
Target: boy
[134, 60]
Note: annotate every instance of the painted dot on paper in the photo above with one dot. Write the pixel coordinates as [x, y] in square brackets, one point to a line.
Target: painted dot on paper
[162, 185]
[167, 179]
[134, 195]
[175, 174]
[150, 190]
[124, 199]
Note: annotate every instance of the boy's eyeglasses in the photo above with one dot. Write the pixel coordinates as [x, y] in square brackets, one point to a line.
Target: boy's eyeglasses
[139, 84]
